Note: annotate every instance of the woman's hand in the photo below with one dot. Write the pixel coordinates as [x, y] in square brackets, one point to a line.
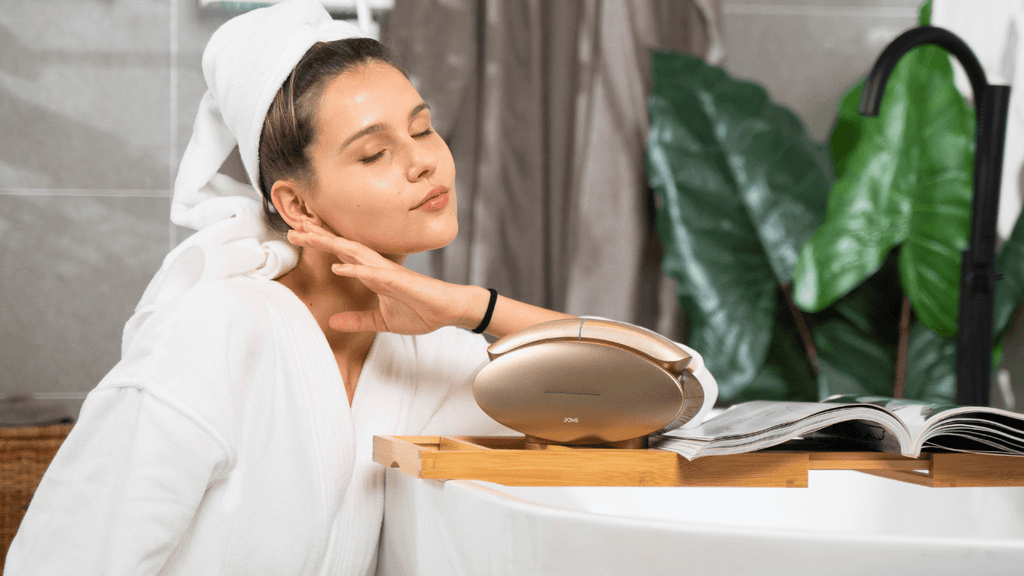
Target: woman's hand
[410, 303]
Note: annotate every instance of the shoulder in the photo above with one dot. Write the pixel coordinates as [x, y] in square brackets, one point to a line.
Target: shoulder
[208, 350]
[212, 328]
[230, 307]
[238, 296]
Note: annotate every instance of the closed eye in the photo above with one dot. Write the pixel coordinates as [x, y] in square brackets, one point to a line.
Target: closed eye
[372, 159]
[377, 156]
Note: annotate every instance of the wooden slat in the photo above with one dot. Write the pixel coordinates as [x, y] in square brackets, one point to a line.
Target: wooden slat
[496, 442]
[405, 452]
[505, 460]
[746, 470]
[903, 476]
[580, 468]
[953, 470]
[557, 468]
[865, 461]
[459, 444]
[432, 441]
[456, 458]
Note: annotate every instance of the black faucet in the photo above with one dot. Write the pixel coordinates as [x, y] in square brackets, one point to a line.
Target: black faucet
[977, 265]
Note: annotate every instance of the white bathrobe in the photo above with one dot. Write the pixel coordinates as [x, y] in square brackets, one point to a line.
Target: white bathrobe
[223, 443]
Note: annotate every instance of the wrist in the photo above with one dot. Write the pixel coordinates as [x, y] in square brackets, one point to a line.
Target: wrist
[474, 306]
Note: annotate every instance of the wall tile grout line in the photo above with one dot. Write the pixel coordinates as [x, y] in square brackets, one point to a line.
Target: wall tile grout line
[54, 395]
[172, 230]
[818, 11]
[129, 193]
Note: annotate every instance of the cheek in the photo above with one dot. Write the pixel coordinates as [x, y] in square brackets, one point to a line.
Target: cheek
[362, 208]
[445, 161]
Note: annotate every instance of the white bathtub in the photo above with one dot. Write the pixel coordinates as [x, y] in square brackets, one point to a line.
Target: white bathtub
[843, 523]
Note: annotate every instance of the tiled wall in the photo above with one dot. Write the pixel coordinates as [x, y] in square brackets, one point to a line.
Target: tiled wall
[96, 103]
[807, 53]
[97, 99]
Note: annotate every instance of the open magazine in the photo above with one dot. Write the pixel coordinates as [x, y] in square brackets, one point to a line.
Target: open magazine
[854, 422]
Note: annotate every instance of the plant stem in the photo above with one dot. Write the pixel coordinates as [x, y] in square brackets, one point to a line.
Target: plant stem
[801, 326]
[901, 350]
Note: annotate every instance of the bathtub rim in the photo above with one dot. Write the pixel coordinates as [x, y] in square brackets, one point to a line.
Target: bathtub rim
[483, 489]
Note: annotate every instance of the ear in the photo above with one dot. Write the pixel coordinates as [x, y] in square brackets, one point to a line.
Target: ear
[289, 200]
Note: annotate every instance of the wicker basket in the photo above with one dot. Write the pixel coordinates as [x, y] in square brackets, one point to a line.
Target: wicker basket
[25, 453]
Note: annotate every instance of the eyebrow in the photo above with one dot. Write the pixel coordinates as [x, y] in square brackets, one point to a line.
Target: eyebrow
[376, 128]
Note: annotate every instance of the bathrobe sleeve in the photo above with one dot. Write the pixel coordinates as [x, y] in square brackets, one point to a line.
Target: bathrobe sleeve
[127, 482]
[120, 492]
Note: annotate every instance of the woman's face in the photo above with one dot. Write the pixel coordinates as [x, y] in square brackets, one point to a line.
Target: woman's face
[384, 178]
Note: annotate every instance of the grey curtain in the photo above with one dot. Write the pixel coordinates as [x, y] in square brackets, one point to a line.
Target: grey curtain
[543, 104]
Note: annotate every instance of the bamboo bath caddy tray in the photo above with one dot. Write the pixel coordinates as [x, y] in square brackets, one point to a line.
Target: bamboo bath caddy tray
[505, 460]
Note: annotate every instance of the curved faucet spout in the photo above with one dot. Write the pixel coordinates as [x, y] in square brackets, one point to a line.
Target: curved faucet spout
[977, 264]
[871, 100]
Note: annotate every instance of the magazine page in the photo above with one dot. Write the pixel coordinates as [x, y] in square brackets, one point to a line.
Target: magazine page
[978, 429]
[751, 418]
[756, 425]
[913, 413]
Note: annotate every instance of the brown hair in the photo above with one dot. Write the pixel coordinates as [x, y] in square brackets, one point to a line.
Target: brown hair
[291, 122]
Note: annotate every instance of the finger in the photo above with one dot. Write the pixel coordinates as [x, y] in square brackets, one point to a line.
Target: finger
[309, 225]
[327, 240]
[317, 230]
[361, 272]
[346, 250]
[361, 321]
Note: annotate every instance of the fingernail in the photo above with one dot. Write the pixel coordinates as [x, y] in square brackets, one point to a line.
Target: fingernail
[336, 267]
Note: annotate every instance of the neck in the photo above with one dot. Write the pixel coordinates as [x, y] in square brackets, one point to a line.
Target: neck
[326, 294]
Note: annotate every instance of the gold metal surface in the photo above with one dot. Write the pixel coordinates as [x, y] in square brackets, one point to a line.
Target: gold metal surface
[635, 339]
[566, 329]
[533, 443]
[651, 344]
[582, 392]
[693, 395]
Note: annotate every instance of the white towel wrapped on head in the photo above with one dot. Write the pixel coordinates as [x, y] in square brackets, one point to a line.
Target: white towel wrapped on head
[245, 63]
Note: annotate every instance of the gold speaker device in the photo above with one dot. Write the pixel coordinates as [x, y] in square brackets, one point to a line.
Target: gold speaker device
[584, 381]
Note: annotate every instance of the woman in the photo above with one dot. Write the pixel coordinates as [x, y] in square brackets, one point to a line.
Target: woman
[372, 169]
[235, 435]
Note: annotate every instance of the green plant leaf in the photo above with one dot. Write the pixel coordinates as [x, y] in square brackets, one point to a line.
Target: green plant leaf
[874, 307]
[924, 15]
[931, 366]
[1010, 288]
[904, 179]
[931, 358]
[852, 361]
[786, 374]
[740, 188]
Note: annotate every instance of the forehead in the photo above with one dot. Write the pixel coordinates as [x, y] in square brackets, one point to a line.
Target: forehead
[367, 94]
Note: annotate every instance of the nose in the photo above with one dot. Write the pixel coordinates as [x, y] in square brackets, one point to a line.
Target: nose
[422, 161]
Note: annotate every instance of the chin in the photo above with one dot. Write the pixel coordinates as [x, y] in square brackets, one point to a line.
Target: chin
[424, 242]
[439, 238]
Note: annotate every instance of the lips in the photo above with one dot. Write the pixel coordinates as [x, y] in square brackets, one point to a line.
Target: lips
[432, 199]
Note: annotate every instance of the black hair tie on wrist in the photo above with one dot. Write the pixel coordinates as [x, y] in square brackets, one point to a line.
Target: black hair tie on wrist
[490, 310]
